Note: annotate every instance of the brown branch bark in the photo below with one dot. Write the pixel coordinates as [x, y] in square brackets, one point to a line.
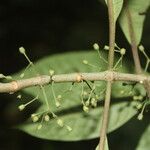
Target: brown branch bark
[135, 54]
[105, 117]
[17, 85]
[134, 49]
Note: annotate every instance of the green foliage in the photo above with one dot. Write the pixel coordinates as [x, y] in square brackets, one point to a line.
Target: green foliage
[137, 10]
[144, 142]
[117, 4]
[65, 113]
[106, 145]
[84, 125]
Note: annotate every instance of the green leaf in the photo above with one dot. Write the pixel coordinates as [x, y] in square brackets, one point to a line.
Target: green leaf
[84, 125]
[117, 4]
[137, 10]
[144, 142]
[106, 145]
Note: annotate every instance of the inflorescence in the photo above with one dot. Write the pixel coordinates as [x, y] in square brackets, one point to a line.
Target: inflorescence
[89, 97]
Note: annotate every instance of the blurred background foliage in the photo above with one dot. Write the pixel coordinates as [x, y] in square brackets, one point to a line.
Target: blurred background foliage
[46, 27]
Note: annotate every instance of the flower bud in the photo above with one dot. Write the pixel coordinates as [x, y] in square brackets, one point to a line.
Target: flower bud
[51, 72]
[59, 96]
[96, 96]
[34, 118]
[93, 102]
[22, 75]
[39, 126]
[140, 116]
[141, 48]
[122, 51]
[21, 107]
[85, 62]
[122, 92]
[22, 50]
[60, 123]
[140, 97]
[46, 118]
[96, 46]
[85, 93]
[106, 47]
[69, 128]
[87, 103]
[135, 97]
[57, 104]
[19, 96]
[139, 106]
[1, 76]
[141, 82]
[8, 77]
[85, 109]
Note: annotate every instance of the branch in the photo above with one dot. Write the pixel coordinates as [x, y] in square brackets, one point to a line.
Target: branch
[105, 118]
[135, 51]
[17, 85]
[133, 44]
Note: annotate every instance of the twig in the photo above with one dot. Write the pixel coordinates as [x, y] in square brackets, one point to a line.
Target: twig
[105, 117]
[17, 85]
[133, 43]
[135, 51]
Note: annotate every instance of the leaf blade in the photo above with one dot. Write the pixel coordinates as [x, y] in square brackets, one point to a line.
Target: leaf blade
[136, 9]
[117, 4]
[144, 142]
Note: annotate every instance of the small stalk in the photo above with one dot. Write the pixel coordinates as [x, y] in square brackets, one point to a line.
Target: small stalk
[105, 116]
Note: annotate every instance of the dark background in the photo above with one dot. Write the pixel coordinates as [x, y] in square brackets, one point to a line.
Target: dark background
[46, 27]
